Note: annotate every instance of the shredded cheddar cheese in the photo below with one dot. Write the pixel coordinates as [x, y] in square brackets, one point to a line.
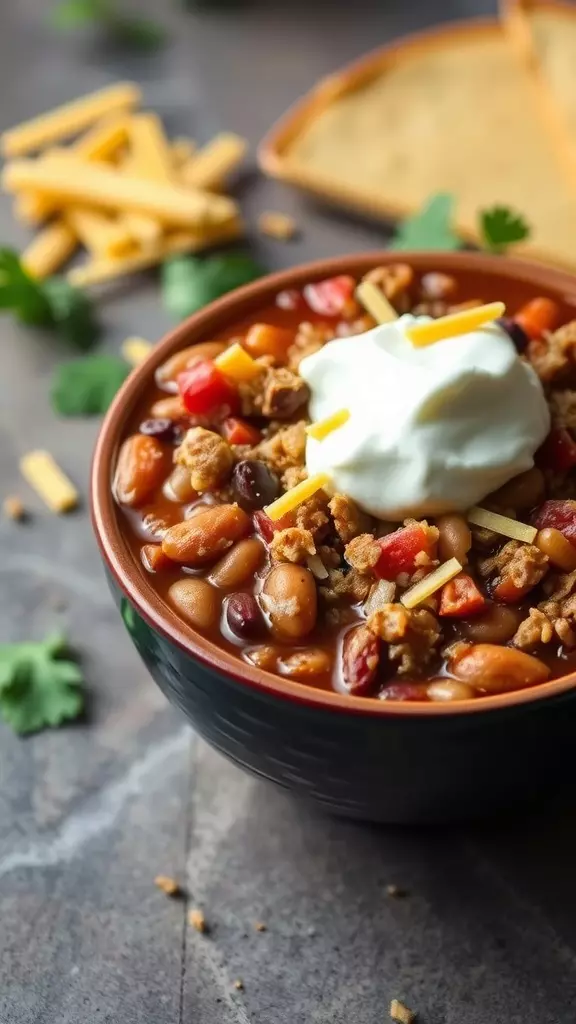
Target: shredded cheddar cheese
[324, 427]
[296, 495]
[99, 233]
[45, 476]
[454, 324]
[501, 524]
[136, 350]
[150, 150]
[237, 364]
[52, 247]
[431, 583]
[69, 119]
[375, 302]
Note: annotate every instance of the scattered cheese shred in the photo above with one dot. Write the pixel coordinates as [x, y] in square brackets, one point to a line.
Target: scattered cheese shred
[197, 920]
[294, 497]
[454, 324]
[70, 180]
[237, 364]
[136, 350]
[400, 1013]
[52, 247]
[277, 225]
[321, 429]
[431, 583]
[13, 508]
[69, 119]
[375, 302]
[212, 164]
[102, 270]
[150, 149]
[501, 524]
[183, 149]
[45, 476]
[98, 232]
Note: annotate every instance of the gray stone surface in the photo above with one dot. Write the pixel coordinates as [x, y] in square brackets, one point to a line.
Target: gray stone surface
[89, 814]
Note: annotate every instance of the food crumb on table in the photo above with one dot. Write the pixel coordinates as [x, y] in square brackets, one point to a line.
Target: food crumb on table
[400, 1013]
[396, 891]
[277, 225]
[197, 919]
[169, 886]
[13, 508]
[259, 926]
[239, 984]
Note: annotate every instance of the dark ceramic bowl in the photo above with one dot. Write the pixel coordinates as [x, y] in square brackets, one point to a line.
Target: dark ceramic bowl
[382, 761]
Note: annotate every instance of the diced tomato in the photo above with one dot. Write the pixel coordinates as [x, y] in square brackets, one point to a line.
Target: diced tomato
[267, 527]
[537, 316]
[399, 551]
[329, 297]
[558, 451]
[460, 598]
[404, 691]
[561, 515]
[237, 431]
[204, 389]
[268, 340]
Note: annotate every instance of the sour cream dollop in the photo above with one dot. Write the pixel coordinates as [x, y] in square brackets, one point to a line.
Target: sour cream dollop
[431, 429]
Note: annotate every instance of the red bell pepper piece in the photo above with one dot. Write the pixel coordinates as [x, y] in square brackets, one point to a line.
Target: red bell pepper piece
[399, 551]
[329, 297]
[460, 598]
[561, 515]
[537, 316]
[204, 389]
[558, 451]
[238, 431]
[267, 527]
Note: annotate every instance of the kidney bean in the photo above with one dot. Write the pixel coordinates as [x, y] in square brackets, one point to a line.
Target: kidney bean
[243, 615]
[196, 601]
[289, 597]
[238, 564]
[141, 467]
[496, 625]
[403, 691]
[560, 551]
[163, 428]
[265, 657]
[360, 659]
[449, 690]
[495, 669]
[291, 299]
[515, 332]
[305, 664]
[183, 360]
[455, 538]
[522, 492]
[254, 485]
[205, 536]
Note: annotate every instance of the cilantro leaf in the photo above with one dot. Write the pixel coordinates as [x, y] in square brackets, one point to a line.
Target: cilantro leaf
[70, 13]
[139, 33]
[20, 293]
[72, 312]
[189, 282]
[500, 227]
[430, 227]
[86, 386]
[38, 687]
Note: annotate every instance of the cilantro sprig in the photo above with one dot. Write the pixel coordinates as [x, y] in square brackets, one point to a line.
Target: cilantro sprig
[191, 282]
[502, 227]
[431, 227]
[53, 303]
[86, 386]
[139, 33]
[39, 687]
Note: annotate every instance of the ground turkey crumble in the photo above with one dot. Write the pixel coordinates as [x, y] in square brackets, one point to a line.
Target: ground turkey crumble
[292, 545]
[208, 457]
[554, 356]
[520, 565]
[412, 635]
[348, 519]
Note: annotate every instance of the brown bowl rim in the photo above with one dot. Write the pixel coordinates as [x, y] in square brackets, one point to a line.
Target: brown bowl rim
[130, 577]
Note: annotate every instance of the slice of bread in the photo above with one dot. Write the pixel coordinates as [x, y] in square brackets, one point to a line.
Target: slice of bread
[451, 111]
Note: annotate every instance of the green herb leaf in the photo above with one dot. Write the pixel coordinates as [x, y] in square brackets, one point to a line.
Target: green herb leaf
[500, 227]
[20, 293]
[430, 227]
[136, 32]
[38, 687]
[139, 33]
[85, 387]
[72, 312]
[70, 13]
[189, 283]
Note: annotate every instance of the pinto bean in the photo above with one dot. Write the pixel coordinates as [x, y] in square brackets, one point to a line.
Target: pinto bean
[449, 690]
[522, 492]
[183, 360]
[494, 669]
[179, 485]
[141, 466]
[455, 538]
[196, 601]
[206, 535]
[360, 660]
[305, 664]
[560, 551]
[289, 597]
[238, 564]
[496, 625]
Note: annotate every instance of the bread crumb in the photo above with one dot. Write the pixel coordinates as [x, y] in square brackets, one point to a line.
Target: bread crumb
[239, 984]
[259, 926]
[396, 891]
[169, 886]
[277, 225]
[197, 920]
[13, 508]
[401, 1013]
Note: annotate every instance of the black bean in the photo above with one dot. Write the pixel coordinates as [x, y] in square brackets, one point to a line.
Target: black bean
[516, 333]
[163, 429]
[243, 615]
[254, 485]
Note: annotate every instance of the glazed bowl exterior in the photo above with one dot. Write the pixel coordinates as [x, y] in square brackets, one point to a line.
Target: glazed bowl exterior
[359, 757]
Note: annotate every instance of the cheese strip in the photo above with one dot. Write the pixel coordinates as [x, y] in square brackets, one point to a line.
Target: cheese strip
[145, 230]
[69, 119]
[237, 364]
[214, 162]
[501, 524]
[135, 350]
[44, 475]
[150, 149]
[454, 324]
[183, 149]
[375, 302]
[324, 427]
[70, 181]
[100, 271]
[101, 235]
[296, 495]
[52, 247]
[100, 143]
[277, 225]
[431, 583]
